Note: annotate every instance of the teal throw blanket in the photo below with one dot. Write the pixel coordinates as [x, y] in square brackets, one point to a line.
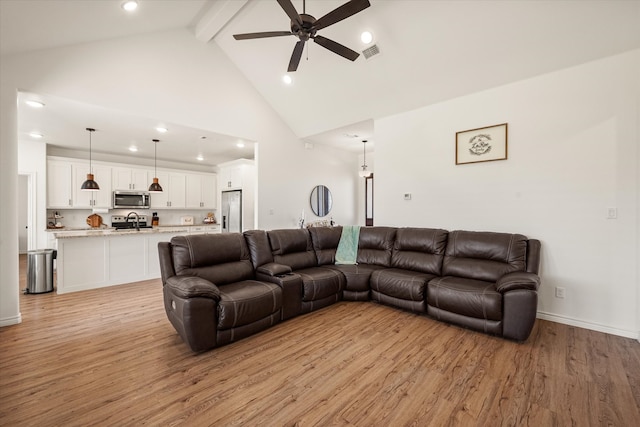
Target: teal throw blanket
[347, 252]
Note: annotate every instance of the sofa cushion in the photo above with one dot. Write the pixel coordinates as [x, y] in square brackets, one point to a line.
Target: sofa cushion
[375, 245]
[246, 302]
[468, 297]
[484, 255]
[325, 242]
[218, 258]
[358, 276]
[292, 247]
[401, 284]
[419, 249]
[320, 282]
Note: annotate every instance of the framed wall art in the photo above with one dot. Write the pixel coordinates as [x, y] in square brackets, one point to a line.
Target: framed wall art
[482, 144]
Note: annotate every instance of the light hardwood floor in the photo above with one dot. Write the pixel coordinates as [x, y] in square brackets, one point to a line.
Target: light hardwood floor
[110, 357]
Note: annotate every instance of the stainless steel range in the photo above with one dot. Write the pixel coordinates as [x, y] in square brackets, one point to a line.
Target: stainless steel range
[129, 222]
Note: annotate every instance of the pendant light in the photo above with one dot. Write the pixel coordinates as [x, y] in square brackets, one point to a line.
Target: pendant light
[155, 187]
[90, 184]
[365, 173]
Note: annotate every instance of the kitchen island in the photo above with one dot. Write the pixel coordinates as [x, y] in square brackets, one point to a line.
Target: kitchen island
[95, 258]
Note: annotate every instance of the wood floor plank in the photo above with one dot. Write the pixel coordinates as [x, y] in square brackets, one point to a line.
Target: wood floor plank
[110, 357]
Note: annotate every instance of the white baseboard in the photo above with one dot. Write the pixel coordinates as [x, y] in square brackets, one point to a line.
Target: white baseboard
[588, 325]
[11, 320]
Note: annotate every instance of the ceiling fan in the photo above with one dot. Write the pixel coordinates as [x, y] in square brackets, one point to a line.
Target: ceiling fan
[306, 26]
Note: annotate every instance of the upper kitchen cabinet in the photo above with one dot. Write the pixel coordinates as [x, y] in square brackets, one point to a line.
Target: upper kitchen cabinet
[91, 199]
[201, 191]
[59, 176]
[231, 176]
[129, 179]
[173, 193]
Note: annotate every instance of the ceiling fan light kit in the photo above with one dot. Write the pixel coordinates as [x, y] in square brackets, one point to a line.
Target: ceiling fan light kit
[305, 27]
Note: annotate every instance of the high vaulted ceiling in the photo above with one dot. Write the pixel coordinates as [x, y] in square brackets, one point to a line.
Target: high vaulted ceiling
[430, 51]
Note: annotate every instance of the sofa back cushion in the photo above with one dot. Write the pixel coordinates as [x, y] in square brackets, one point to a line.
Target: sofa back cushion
[419, 249]
[325, 243]
[292, 247]
[259, 248]
[218, 258]
[375, 245]
[484, 255]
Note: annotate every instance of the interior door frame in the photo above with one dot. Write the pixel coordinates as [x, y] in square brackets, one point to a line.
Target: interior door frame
[31, 208]
[368, 201]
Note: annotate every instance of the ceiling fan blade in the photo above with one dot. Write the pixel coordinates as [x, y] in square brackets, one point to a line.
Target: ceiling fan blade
[262, 35]
[290, 10]
[340, 13]
[335, 47]
[295, 56]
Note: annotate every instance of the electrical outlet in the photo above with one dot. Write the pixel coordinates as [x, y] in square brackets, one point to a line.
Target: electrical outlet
[560, 292]
[407, 196]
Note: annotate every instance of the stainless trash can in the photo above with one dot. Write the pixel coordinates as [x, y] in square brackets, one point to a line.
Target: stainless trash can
[40, 271]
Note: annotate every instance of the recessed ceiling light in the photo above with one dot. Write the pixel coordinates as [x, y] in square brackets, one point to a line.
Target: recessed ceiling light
[351, 135]
[162, 130]
[366, 37]
[240, 144]
[36, 135]
[200, 157]
[35, 104]
[130, 5]
[287, 79]
[133, 148]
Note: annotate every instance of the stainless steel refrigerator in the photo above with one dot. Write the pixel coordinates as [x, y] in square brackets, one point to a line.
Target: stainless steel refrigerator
[231, 206]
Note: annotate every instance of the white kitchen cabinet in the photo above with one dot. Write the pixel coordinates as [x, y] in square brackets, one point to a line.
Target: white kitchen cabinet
[91, 199]
[173, 191]
[201, 191]
[130, 179]
[205, 229]
[231, 177]
[59, 178]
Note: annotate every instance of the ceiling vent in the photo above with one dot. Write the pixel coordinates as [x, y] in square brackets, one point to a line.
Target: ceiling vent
[371, 51]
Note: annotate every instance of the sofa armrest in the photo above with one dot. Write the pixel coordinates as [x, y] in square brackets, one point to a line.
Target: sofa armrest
[191, 287]
[518, 280]
[273, 269]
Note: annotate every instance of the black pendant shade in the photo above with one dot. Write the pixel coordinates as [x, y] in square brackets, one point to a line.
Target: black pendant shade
[90, 184]
[155, 187]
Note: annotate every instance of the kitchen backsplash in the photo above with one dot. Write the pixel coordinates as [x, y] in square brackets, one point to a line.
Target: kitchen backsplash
[77, 218]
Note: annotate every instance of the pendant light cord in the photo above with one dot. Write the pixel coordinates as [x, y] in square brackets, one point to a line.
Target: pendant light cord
[91, 130]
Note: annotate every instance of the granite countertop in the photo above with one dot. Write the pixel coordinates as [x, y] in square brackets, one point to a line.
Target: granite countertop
[111, 231]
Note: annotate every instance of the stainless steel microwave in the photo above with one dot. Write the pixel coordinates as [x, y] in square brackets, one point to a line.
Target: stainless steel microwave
[131, 199]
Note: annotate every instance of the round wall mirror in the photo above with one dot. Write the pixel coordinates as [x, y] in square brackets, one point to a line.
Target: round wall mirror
[321, 200]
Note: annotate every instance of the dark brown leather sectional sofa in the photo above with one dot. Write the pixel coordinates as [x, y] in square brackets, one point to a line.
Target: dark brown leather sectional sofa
[219, 288]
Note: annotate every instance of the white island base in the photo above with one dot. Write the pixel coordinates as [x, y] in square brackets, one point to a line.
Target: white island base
[97, 259]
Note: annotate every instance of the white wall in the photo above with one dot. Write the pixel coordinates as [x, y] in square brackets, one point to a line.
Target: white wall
[173, 77]
[573, 153]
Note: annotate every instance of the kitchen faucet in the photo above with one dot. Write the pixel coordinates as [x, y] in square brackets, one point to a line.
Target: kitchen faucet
[137, 219]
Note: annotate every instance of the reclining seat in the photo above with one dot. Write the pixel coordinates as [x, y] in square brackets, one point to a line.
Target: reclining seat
[321, 286]
[416, 259]
[489, 283]
[374, 253]
[210, 294]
